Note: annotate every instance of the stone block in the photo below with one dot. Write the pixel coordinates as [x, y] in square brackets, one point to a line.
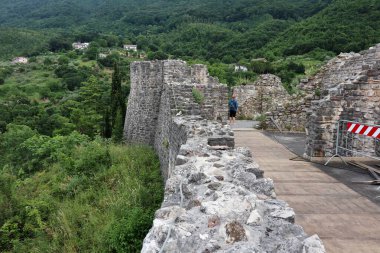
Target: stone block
[221, 141]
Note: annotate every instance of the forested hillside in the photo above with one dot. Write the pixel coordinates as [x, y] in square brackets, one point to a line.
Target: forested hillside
[17, 42]
[344, 26]
[202, 29]
[66, 182]
[208, 30]
[160, 13]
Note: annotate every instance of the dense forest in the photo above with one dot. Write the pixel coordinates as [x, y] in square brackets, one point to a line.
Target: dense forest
[225, 31]
[67, 183]
[293, 37]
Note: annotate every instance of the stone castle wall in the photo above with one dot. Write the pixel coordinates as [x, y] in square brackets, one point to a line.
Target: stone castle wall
[262, 96]
[268, 97]
[216, 198]
[350, 90]
[346, 88]
[161, 89]
[291, 115]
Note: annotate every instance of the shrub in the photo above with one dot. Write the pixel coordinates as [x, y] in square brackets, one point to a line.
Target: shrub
[48, 61]
[261, 117]
[159, 55]
[90, 159]
[198, 96]
[297, 68]
[63, 60]
[317, 92]
[127, 234]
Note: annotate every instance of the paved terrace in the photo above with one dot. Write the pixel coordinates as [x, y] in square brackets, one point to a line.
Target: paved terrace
[346, 221]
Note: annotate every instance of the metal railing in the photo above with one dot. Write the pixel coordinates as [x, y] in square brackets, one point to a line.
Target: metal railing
[356, 139]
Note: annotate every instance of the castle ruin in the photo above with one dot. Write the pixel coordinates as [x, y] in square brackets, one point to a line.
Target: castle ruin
[216, 198]
[346, 88]
[349, 86]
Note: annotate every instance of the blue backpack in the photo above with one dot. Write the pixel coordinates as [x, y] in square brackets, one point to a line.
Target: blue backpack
[232, 105]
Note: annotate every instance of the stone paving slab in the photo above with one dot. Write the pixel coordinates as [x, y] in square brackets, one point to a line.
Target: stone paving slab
[299, 176]
[295, 167]
[341, 226]
[346, 221]
[352, 245]
[315, 189]
[331, 204]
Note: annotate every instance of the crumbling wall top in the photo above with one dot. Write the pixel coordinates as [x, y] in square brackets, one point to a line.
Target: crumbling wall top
[349, 88]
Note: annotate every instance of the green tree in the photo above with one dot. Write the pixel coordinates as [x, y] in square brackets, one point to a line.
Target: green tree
[92, 51]
[12, 152]
[117, 104]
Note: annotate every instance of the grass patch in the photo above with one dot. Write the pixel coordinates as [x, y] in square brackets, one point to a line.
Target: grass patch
[105, 206]
[198, 96]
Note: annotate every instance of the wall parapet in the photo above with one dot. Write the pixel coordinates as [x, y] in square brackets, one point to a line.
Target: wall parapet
[217, 200]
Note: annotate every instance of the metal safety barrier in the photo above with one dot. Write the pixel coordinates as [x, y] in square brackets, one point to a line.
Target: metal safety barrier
[356, 139]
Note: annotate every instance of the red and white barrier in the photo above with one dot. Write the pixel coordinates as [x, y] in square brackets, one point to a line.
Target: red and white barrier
[358, 128]
[356, 139]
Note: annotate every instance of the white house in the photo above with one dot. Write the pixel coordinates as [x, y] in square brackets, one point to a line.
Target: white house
[20, 60]
[102, 55]
[240, 68]
[130, 47]
[80, 46]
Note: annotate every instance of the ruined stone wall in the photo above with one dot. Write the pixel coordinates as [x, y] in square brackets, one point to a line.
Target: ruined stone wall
[161, 89]
[346, 88]
[144, 102]
[268, 97]
[289, 116]
[262, 96]
[216, 198]
[350, 90]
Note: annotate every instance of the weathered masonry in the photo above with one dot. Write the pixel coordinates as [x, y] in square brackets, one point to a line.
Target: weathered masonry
[161, 89]
[262, 96]
[350, 90]
[216, 198]
[346, 88]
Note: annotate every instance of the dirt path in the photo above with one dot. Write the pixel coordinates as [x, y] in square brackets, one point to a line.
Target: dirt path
[345, 220]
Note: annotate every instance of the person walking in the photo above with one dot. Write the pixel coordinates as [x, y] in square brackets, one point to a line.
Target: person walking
[233, 105]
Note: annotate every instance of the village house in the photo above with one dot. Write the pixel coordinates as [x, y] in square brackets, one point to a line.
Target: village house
[130, 47]
[240, 68]
[102, 55]
[20, 60]
[259, 59]
[80, 46]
